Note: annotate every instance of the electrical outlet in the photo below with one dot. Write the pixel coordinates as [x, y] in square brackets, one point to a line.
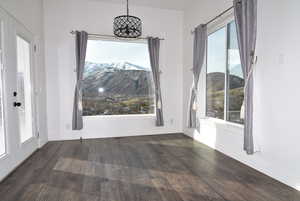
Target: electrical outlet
[281, 59]
[171, 121]
[68, 126]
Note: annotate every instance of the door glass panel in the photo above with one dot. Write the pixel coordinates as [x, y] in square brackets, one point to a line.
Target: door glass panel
[24, 89]
[215, 77]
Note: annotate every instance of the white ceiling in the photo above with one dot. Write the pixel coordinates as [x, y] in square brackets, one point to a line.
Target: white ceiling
[166, 4]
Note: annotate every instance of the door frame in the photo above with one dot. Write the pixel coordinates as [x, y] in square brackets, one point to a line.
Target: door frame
[3, 45]
[16, 152]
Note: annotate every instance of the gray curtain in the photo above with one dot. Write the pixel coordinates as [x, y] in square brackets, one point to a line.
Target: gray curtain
[200, 40]
[81, 44]
[154, 46]
[246, 22]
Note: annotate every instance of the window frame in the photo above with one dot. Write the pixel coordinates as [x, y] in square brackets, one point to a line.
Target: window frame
[3, 88]
[223, 22]
[109, 39]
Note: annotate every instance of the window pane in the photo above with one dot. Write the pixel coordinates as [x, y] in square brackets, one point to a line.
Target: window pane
[235, 79]
[216, 65]
[24, 89]
[117, 79]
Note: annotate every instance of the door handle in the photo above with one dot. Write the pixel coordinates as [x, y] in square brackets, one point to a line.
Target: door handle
[17, 104]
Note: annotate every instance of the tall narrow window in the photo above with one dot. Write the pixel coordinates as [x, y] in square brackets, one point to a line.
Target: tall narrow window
[2, 126]
[117, 79]
[24, 89]
[224, 79]
[2, 129]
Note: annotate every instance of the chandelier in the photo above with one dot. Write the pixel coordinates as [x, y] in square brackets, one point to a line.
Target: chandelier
[127, 26]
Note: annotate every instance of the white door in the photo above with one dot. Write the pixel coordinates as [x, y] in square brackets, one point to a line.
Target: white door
[18, 130]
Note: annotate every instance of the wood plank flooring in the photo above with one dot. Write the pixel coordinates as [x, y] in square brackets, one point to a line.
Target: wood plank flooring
[150, 168]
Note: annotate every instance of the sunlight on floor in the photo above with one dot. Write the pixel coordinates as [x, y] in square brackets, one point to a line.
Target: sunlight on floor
[208, 135]
[133, 175]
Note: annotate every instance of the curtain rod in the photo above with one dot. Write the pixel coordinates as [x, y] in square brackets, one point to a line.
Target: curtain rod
[218, 16]
[112, 36]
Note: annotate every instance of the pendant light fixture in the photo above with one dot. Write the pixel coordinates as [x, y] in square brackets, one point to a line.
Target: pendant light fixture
[127, 26]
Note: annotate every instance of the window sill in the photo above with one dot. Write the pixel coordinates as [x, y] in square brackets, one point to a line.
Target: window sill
[133, 116]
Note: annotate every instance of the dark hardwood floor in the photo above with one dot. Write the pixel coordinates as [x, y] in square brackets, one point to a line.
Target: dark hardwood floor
[150, 168]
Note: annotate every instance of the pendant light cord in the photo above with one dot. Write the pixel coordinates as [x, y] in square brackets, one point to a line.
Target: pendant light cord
[127, 8]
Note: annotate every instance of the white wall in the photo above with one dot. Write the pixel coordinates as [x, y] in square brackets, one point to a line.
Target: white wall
[276, 84]
[30, 14]
[276, 112]
[62, 16]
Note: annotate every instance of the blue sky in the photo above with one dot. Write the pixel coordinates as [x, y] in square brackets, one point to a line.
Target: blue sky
[101, 51]
[216, 59]
[216, 51]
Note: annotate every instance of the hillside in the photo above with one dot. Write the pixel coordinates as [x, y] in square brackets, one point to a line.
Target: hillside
[116, 89]
[215, 81]
[117, 79]
[215, 96]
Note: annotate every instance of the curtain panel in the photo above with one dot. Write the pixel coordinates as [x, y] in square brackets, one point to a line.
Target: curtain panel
[245, 12]
[154, 48]
[200, 42]
[81, 39]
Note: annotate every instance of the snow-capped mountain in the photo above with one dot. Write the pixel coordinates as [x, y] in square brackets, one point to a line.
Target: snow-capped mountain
[117, 78]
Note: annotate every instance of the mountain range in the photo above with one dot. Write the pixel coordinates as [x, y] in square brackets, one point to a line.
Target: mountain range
[216, 80]
[126, 79]
[116, 79]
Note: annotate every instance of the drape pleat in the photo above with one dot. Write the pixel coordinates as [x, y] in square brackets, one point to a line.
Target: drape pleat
[246, 22]
[200, 41]
[154, 47]
[81, 39]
